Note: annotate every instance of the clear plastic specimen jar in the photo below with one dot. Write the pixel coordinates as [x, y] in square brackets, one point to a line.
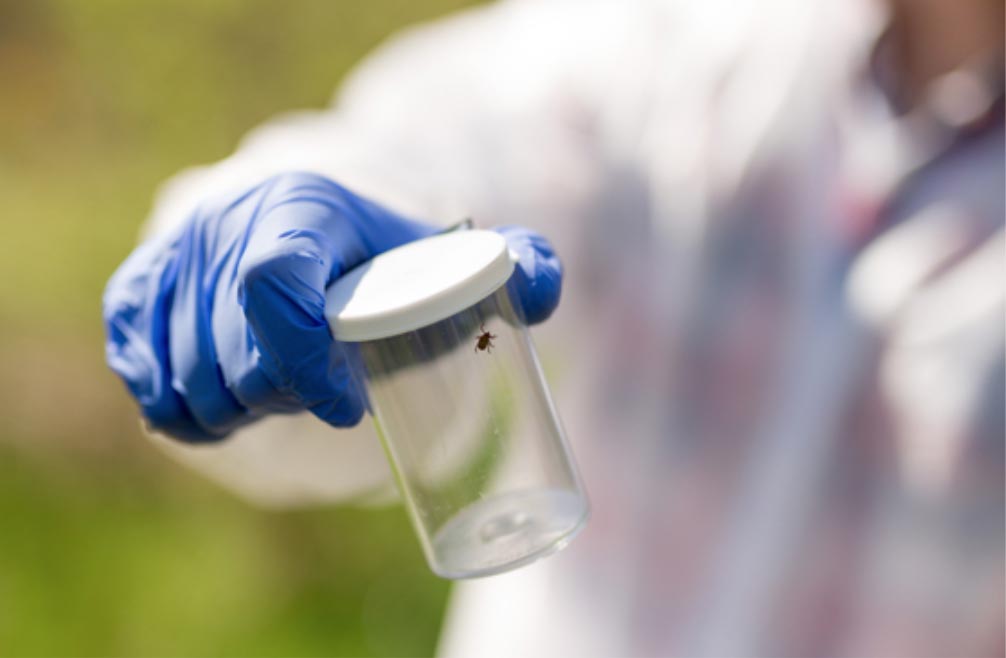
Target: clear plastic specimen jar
[460, 403]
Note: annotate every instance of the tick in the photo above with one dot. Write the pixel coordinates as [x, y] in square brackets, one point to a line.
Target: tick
[485, 341]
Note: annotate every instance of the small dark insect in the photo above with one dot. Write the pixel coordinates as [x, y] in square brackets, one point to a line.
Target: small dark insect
[484, 343]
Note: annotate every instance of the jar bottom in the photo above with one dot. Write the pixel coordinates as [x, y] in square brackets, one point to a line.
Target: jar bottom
[507, 531]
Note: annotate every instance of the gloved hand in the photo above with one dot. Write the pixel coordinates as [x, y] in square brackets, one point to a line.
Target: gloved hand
[223, 322]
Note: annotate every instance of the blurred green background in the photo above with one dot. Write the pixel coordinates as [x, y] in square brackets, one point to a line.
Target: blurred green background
[107, 547]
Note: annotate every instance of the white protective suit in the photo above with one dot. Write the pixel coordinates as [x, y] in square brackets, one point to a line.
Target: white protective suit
[787, 405]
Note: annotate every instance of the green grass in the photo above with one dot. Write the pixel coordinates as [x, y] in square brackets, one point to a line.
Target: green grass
[98, 563]
[106, 547]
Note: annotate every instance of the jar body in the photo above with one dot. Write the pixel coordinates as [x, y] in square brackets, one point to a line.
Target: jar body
[474, 440]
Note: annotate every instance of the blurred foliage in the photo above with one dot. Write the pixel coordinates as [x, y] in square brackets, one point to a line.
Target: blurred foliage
[106, 547]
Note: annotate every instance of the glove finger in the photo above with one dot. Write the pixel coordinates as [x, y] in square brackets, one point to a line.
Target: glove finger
[196, 376]
[281, 284]
[136, 305]
[536, 283]
[310, 230]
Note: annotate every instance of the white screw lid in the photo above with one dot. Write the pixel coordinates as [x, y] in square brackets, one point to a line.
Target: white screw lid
[417, 284]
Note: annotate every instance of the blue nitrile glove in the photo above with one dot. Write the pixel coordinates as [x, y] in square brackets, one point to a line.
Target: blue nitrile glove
[223, 322]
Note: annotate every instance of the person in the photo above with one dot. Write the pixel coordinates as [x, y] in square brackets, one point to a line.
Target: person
[779, 353]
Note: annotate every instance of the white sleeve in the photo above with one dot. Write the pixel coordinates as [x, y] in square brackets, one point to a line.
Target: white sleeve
[488, 114]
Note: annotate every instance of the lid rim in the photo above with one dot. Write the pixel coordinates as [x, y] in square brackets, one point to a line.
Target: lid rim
[344, 338]
[485, 266]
